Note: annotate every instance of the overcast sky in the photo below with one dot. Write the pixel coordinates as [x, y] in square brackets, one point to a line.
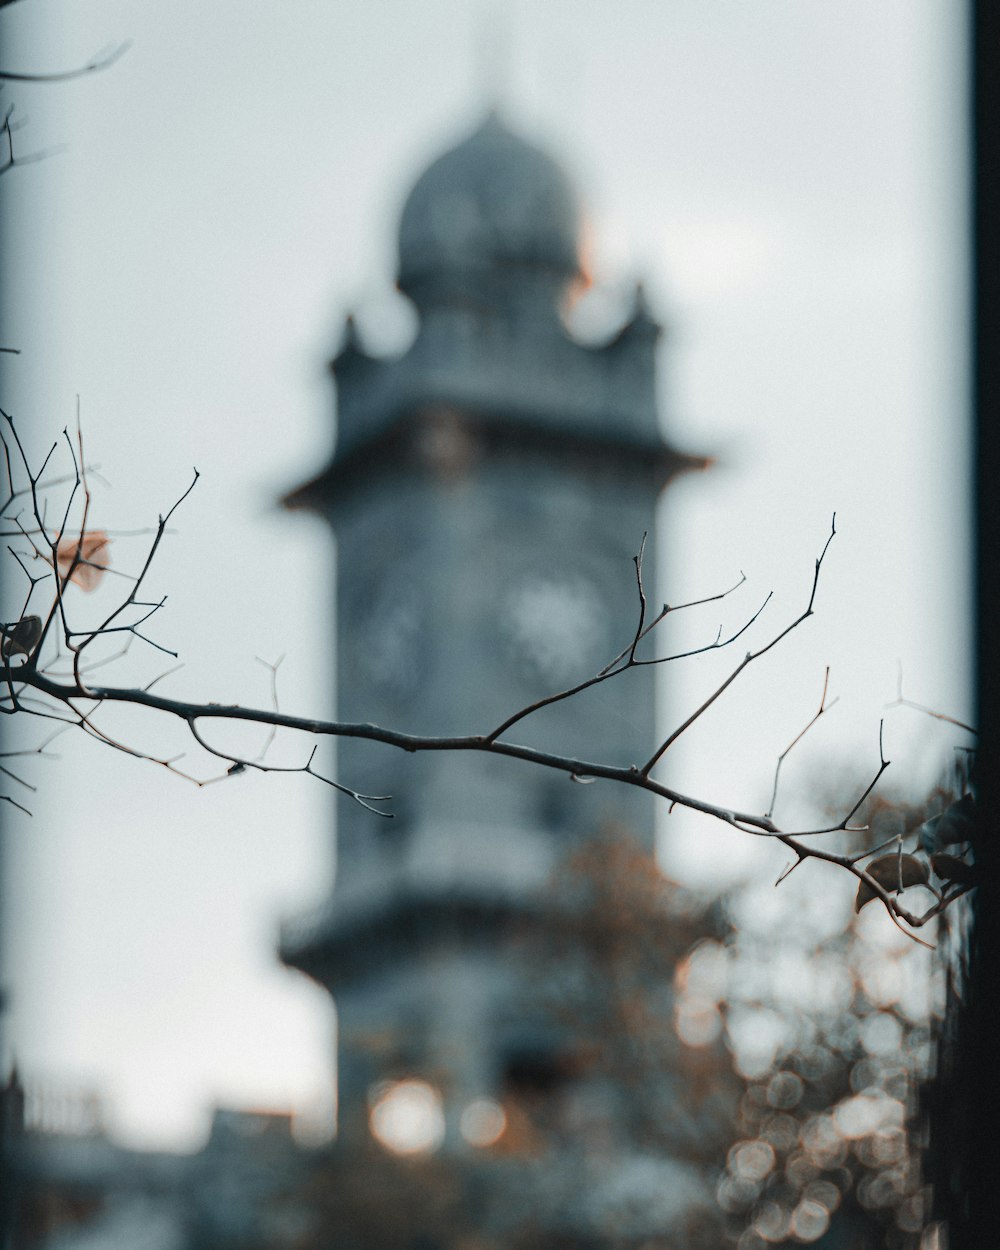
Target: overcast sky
[788, 178]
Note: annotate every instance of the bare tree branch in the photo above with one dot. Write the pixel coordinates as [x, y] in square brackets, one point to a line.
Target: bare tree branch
[99, 61]
[626, 658]
[34, 684]
[899, 701]
[747, 660]
[823, 707]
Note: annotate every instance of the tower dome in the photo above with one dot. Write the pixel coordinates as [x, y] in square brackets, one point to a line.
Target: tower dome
[493, 203]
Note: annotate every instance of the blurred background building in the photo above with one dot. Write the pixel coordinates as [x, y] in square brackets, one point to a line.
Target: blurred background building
[792, 177]
[489, 490]
[789, 181]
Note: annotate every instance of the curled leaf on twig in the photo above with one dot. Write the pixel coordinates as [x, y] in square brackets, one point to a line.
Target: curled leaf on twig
[892, 872]
[20, 637]
[83, 559]
[956, 823]
[951, 868]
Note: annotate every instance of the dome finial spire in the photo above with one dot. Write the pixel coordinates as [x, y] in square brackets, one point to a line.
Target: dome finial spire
[494, 57]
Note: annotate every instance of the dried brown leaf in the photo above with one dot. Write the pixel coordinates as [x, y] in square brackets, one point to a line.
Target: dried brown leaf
[892, 872]
[83, 558]
[20, 638]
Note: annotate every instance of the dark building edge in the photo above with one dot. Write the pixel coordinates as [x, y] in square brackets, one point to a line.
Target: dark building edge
[978, 1225]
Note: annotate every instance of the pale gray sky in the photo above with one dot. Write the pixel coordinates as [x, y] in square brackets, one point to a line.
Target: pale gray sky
[788, 177]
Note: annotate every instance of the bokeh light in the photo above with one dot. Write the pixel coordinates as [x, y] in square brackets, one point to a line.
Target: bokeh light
[407, 1117]
[483, 1122]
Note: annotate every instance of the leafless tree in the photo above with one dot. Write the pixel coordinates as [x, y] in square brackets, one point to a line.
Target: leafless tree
[49, 664]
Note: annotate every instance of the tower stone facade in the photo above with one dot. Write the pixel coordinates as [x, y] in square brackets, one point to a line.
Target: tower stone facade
[488, 490]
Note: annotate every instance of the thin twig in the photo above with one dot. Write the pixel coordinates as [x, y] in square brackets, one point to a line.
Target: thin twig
[899, 701]
[99, 61]
[626, 658]
[747, 660]
[823, 707]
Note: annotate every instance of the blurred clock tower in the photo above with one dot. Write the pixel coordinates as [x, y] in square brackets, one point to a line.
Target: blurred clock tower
[488, 491]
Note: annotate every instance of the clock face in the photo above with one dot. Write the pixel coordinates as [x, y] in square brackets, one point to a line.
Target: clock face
[555, 627]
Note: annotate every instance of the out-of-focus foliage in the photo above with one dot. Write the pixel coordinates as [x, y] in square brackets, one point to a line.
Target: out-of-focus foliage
[746, 1074]
[624, 930]
[831, 1018]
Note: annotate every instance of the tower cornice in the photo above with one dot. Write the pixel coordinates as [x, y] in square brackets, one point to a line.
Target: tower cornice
[443, 440]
